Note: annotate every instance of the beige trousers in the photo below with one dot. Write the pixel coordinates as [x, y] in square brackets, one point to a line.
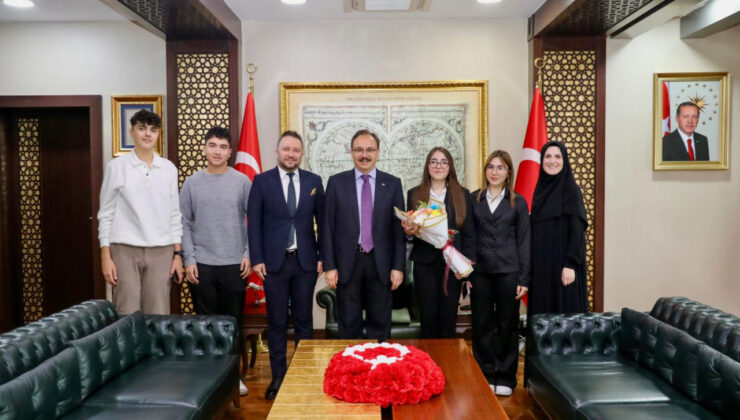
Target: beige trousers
[143, 279]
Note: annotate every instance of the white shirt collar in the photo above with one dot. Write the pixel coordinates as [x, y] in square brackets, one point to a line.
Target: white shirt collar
[283, 172]
[135, 161]
[501, 194]
[685, 136]
[441, 196]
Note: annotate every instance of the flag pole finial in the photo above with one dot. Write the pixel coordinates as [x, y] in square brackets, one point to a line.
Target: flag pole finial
[251, 69]
[539, 63]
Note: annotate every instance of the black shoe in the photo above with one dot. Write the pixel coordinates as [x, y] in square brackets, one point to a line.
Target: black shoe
[272, 390]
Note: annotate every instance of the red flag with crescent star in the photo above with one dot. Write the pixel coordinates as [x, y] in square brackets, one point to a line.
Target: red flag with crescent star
[666, 111]
[249, 162]
[534, 139]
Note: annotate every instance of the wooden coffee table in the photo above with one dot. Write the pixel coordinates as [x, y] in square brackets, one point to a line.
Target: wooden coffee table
[466, 394]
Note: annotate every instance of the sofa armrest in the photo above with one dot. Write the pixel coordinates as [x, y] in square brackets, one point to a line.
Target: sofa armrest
[585, 333]
[192, 335]
[327, 298]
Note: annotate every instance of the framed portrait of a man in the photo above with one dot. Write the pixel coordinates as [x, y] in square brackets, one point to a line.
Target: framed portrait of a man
[691, 121]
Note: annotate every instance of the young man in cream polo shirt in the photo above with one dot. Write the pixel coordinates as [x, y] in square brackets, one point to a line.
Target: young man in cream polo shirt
[139, 223]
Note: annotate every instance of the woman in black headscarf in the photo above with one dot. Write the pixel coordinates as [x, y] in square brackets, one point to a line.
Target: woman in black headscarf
[558, 223]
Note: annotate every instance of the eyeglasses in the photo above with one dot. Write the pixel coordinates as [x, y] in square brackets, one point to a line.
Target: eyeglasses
[499, 168]
[360, 150]
[439, 163]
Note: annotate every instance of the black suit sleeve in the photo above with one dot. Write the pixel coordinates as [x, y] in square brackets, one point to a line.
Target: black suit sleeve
[254, 222]
[398, 236]
[319, 216]
[327, 226]
[523, 241]
[467, 231]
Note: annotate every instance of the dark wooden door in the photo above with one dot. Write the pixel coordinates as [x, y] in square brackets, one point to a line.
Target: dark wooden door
[49, 218]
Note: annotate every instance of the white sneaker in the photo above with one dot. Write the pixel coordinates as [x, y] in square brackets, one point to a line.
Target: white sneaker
[243, 390]
[503, 391]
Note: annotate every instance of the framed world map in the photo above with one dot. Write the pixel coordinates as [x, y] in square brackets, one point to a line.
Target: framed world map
[409, 118]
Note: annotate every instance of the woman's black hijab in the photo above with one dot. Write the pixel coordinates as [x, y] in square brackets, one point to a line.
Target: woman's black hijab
[557, 195]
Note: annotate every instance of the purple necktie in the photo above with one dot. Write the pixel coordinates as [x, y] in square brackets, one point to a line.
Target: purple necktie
[366, 215]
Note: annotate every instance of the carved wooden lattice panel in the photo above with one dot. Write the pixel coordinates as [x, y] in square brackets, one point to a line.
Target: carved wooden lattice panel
[202, 102]
[29, 178]
[569, 91]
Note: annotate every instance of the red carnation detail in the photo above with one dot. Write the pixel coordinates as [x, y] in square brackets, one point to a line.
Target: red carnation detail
[383, 374]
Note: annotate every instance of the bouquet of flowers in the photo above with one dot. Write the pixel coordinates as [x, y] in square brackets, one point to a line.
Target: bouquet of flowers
[384, 374]
[431, 218]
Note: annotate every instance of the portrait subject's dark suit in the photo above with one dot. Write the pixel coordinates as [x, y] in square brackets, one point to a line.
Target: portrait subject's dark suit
[674, 149]
[363, 278]
[502, 262]
[289, 274]
[438, 312]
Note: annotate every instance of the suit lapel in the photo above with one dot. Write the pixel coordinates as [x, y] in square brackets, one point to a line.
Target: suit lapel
[450, 210]
[305, 190]
[381, 186]
[353, 188]
[501, 206]
[278, 184]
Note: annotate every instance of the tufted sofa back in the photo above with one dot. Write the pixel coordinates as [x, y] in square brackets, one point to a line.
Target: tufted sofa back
[106, 353]
[699, 371]
[193, 335]
[24, 348]
[50, 390]
[716, 328]
[573, 333]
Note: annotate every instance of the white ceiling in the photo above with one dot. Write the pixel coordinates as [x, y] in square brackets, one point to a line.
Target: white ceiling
[95, 10]
[59, 11]
[334, 10]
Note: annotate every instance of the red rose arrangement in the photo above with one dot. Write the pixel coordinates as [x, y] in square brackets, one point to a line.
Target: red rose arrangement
[384, 374]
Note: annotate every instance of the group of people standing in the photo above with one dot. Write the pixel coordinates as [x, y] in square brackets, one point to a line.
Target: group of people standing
[513, 254]
[150, 233]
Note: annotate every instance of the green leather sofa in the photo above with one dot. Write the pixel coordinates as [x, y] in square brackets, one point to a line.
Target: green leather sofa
[86, 362]
[680, 361]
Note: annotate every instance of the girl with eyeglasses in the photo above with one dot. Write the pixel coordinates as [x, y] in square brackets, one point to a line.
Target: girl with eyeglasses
[438, 308]
[558, 230]
[502, 273]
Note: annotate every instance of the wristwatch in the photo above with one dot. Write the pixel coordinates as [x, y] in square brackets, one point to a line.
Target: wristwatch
[177, 253]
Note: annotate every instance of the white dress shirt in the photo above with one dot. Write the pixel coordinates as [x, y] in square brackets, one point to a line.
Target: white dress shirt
[439, 197]
[139, 204]
[493, 202]
[285, 180]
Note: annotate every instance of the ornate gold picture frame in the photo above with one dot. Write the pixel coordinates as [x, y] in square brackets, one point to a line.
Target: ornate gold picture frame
[122, 108]
[409, 118]
[704, 99]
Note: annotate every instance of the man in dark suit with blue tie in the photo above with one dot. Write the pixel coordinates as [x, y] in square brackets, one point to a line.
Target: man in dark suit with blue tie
[282, 207]
[364, 247]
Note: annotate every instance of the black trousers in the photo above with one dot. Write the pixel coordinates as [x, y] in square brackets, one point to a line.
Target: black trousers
[290, 284]
[495, 326]
[438, 311]
[220, 290]
[364, 290]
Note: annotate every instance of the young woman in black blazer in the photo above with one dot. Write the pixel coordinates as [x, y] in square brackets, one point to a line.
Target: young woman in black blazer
[439, 181]
[502, 272]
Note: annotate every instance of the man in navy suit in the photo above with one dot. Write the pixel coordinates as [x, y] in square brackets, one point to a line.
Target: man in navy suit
[282, 207]
[684, 143]
[364, 247]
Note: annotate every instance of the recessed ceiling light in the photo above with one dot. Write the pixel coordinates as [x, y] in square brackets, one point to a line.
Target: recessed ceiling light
[293, 1]
[488, 1]
[18, 3]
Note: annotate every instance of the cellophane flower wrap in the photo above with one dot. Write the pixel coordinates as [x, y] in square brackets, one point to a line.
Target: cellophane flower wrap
[432, 221]
[384, 374]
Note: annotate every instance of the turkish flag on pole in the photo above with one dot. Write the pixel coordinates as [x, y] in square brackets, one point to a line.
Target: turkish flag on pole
[249, 162]
[536, 137]
[666, 111]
